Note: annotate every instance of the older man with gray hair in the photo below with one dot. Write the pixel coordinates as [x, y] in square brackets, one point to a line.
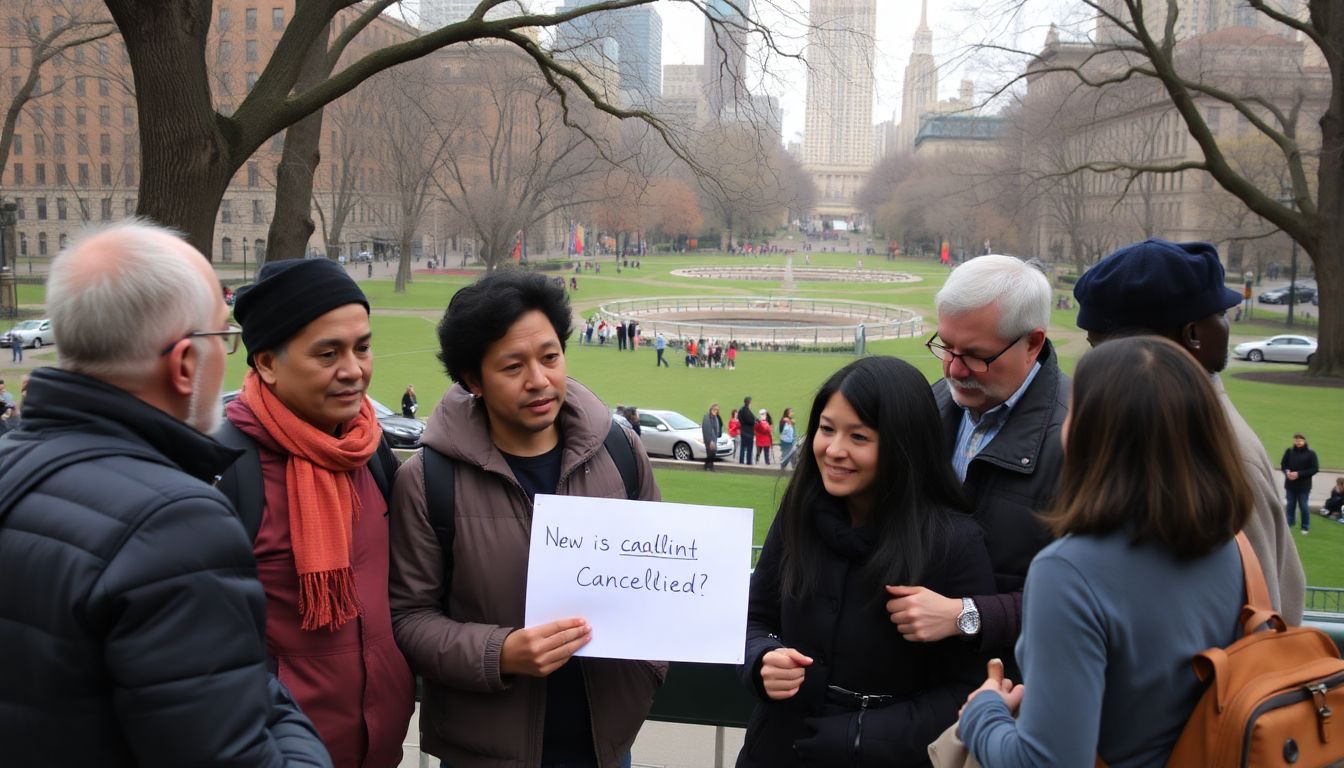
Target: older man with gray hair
[1003, 400]
[133, 616]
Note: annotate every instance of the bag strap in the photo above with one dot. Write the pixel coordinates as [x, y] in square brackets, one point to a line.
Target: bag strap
[23, 471]
[1259, 609]
[245, 473]
[383, 467]
[623, 456]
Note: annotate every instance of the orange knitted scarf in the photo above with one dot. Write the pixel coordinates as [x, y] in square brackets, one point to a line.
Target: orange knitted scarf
[323, 504]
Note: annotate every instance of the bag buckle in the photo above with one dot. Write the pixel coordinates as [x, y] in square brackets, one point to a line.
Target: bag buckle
[1323, 712]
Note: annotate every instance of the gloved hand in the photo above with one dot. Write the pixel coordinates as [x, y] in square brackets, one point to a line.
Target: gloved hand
[831, 742]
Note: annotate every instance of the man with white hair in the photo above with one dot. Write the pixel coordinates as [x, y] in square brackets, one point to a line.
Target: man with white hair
[133, 619]
[1003, 401]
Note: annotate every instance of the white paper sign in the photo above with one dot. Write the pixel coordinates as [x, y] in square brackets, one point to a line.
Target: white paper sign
[655, 580]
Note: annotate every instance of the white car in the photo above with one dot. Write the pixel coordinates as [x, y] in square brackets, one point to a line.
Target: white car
[33, 333]
[668, 433]
[1279, 349]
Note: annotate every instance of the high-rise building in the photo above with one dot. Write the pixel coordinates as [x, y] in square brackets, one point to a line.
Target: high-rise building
[838, 139]
[441, 13]
[638, 35]
[725, 57]
[1197, 17]
[683, 100]
[920, 90]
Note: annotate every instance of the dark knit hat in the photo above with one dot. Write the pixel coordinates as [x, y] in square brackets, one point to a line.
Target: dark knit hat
[289, 295]
[1153, 285]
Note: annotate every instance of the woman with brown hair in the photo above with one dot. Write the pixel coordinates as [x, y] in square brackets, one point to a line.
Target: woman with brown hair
[1146, 574]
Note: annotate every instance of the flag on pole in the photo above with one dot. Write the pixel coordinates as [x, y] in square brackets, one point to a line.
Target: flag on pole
[945, 256]
[518, 247]
[578, 239]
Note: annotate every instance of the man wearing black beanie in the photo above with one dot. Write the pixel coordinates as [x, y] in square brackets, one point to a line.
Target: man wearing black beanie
[1176, 290]
[316, 458]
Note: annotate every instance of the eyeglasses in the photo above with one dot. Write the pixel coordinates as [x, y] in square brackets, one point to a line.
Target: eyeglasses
[232, 335]
[973, 364]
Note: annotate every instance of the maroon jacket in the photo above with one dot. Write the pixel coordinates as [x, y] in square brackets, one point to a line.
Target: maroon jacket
[353, 683]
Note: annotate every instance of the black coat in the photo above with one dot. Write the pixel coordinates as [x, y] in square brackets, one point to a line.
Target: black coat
[1303, 462]
[748, 421]
[847, 631]
[131, 619]
[1009, 483]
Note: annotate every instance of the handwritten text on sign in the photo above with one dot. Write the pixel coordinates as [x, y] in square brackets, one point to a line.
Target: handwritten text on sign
[655, 581]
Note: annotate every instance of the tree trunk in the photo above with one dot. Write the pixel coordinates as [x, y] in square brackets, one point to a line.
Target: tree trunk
[1328, 257]
[292, 224]
[186, 161]
[403, 266]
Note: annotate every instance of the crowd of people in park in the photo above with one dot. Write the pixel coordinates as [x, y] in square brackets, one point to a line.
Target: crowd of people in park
[261, 584]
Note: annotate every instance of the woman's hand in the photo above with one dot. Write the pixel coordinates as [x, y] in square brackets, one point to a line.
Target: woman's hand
[782, 672]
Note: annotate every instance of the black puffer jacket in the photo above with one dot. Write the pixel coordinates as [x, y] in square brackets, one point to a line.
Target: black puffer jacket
[131, 619]
[1009, 483]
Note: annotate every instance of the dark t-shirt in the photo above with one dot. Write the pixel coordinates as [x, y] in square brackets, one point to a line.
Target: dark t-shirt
[568, 731]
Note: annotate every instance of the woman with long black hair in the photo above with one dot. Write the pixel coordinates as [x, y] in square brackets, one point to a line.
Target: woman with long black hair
[872, 503]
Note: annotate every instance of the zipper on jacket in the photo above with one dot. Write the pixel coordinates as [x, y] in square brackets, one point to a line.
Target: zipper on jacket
[592, 721]
[858, 734]
[1292, 696]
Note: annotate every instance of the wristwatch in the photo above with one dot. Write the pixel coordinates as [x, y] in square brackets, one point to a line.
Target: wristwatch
[968, 621]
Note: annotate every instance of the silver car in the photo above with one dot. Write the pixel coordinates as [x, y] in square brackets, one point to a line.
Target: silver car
[1287, 348]
[668, 433]
[32, 333]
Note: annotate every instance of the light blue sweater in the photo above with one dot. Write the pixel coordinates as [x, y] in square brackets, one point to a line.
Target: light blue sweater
[1108, 632]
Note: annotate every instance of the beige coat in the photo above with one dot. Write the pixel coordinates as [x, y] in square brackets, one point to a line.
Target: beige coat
[1268, 528]
[471, 715]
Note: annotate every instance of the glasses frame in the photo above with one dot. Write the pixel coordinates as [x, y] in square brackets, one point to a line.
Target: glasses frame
[230, 344]
[943, 353]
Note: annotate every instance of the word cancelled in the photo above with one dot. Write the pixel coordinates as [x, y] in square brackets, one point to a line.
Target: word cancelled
[656, 581]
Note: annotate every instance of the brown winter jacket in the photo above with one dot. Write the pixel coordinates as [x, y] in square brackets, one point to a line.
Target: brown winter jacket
[471, 715]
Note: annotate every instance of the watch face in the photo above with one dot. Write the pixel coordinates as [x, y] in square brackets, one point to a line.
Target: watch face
[969, 623]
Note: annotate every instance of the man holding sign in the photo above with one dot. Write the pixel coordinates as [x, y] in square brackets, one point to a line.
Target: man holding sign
[498, 693]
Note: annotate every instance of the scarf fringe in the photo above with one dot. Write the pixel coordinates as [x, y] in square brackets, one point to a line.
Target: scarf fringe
[327, 599]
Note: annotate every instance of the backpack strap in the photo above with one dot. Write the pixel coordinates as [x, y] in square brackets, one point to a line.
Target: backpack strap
[383, 467]
[22, 471]
[440, 508]
[623, 456]
[1259, 609]
[241, 482]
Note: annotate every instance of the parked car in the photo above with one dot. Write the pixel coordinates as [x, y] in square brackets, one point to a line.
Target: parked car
[401, 432]
[1280, 349]
[668, 433]
[33, 333]
[1305, 293]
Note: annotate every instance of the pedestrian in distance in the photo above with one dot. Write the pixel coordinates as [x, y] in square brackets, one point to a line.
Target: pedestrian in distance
[146, 643]
[787, 436]
[1299, 465]
[15, 347]
[1091, 652]
[765, 435]
[409, 403]
[747, 424]
[711, 427]
[659, 347]
[512, 425]
[734, 430]
[872, 503]
[620, 335]
[323, 472]
[1334, 506]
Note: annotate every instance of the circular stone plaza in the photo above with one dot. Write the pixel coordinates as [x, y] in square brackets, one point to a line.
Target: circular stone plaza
[775, 322]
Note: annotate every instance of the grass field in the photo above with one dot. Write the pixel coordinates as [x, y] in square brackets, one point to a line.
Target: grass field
[405, 346]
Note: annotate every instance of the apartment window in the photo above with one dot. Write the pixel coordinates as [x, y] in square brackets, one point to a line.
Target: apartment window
[84, 209]
[18, 144]
[128, 175]
[104, 88]
[103, 56]
[223, 19]
[226, 83]
[41, 243]
[226, 249]
[225, 50]
[81, 115]
[39, 115]
[80, 84]
[62, 177]
[58, 117]
[250, 19]
[257, 217]
[58, 144]
[128, 207]
[79, 54]
[104, 143]
[23, 243]
[57, 82]
[35, 25]
[250, 50]
[104, 115]
[226, 211]
[105, 174]
[15, 28]
[128, 115]
[41, 209]
[278, 19]
[82, 144]
[251, 80]
[60, 241]
[14, 57]
[83, 169]
[18, 209]
[105, 209]
[253, 174]
[129, 143]
[62, 210]
[40, 174]
[18, 174]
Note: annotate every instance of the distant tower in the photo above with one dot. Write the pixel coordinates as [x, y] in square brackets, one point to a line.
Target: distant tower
[838, 140]
[725, 57]
[920, 92]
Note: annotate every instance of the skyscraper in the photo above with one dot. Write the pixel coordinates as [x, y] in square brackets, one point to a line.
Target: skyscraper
[725, 58]
[441, 13]
[638, 35]
[920, 91]
[838, 140]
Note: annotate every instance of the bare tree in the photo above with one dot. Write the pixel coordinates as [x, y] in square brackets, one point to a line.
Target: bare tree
[348, 150]
[1136, 46]
[72, 25]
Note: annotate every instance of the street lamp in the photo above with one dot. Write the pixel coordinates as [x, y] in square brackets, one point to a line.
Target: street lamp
[1290, 201]
[244, 258]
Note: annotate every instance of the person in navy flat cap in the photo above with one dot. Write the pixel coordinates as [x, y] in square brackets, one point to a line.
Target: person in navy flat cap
[1176, 290]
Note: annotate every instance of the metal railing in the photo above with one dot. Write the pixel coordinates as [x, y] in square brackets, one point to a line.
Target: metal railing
[1325, 600]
